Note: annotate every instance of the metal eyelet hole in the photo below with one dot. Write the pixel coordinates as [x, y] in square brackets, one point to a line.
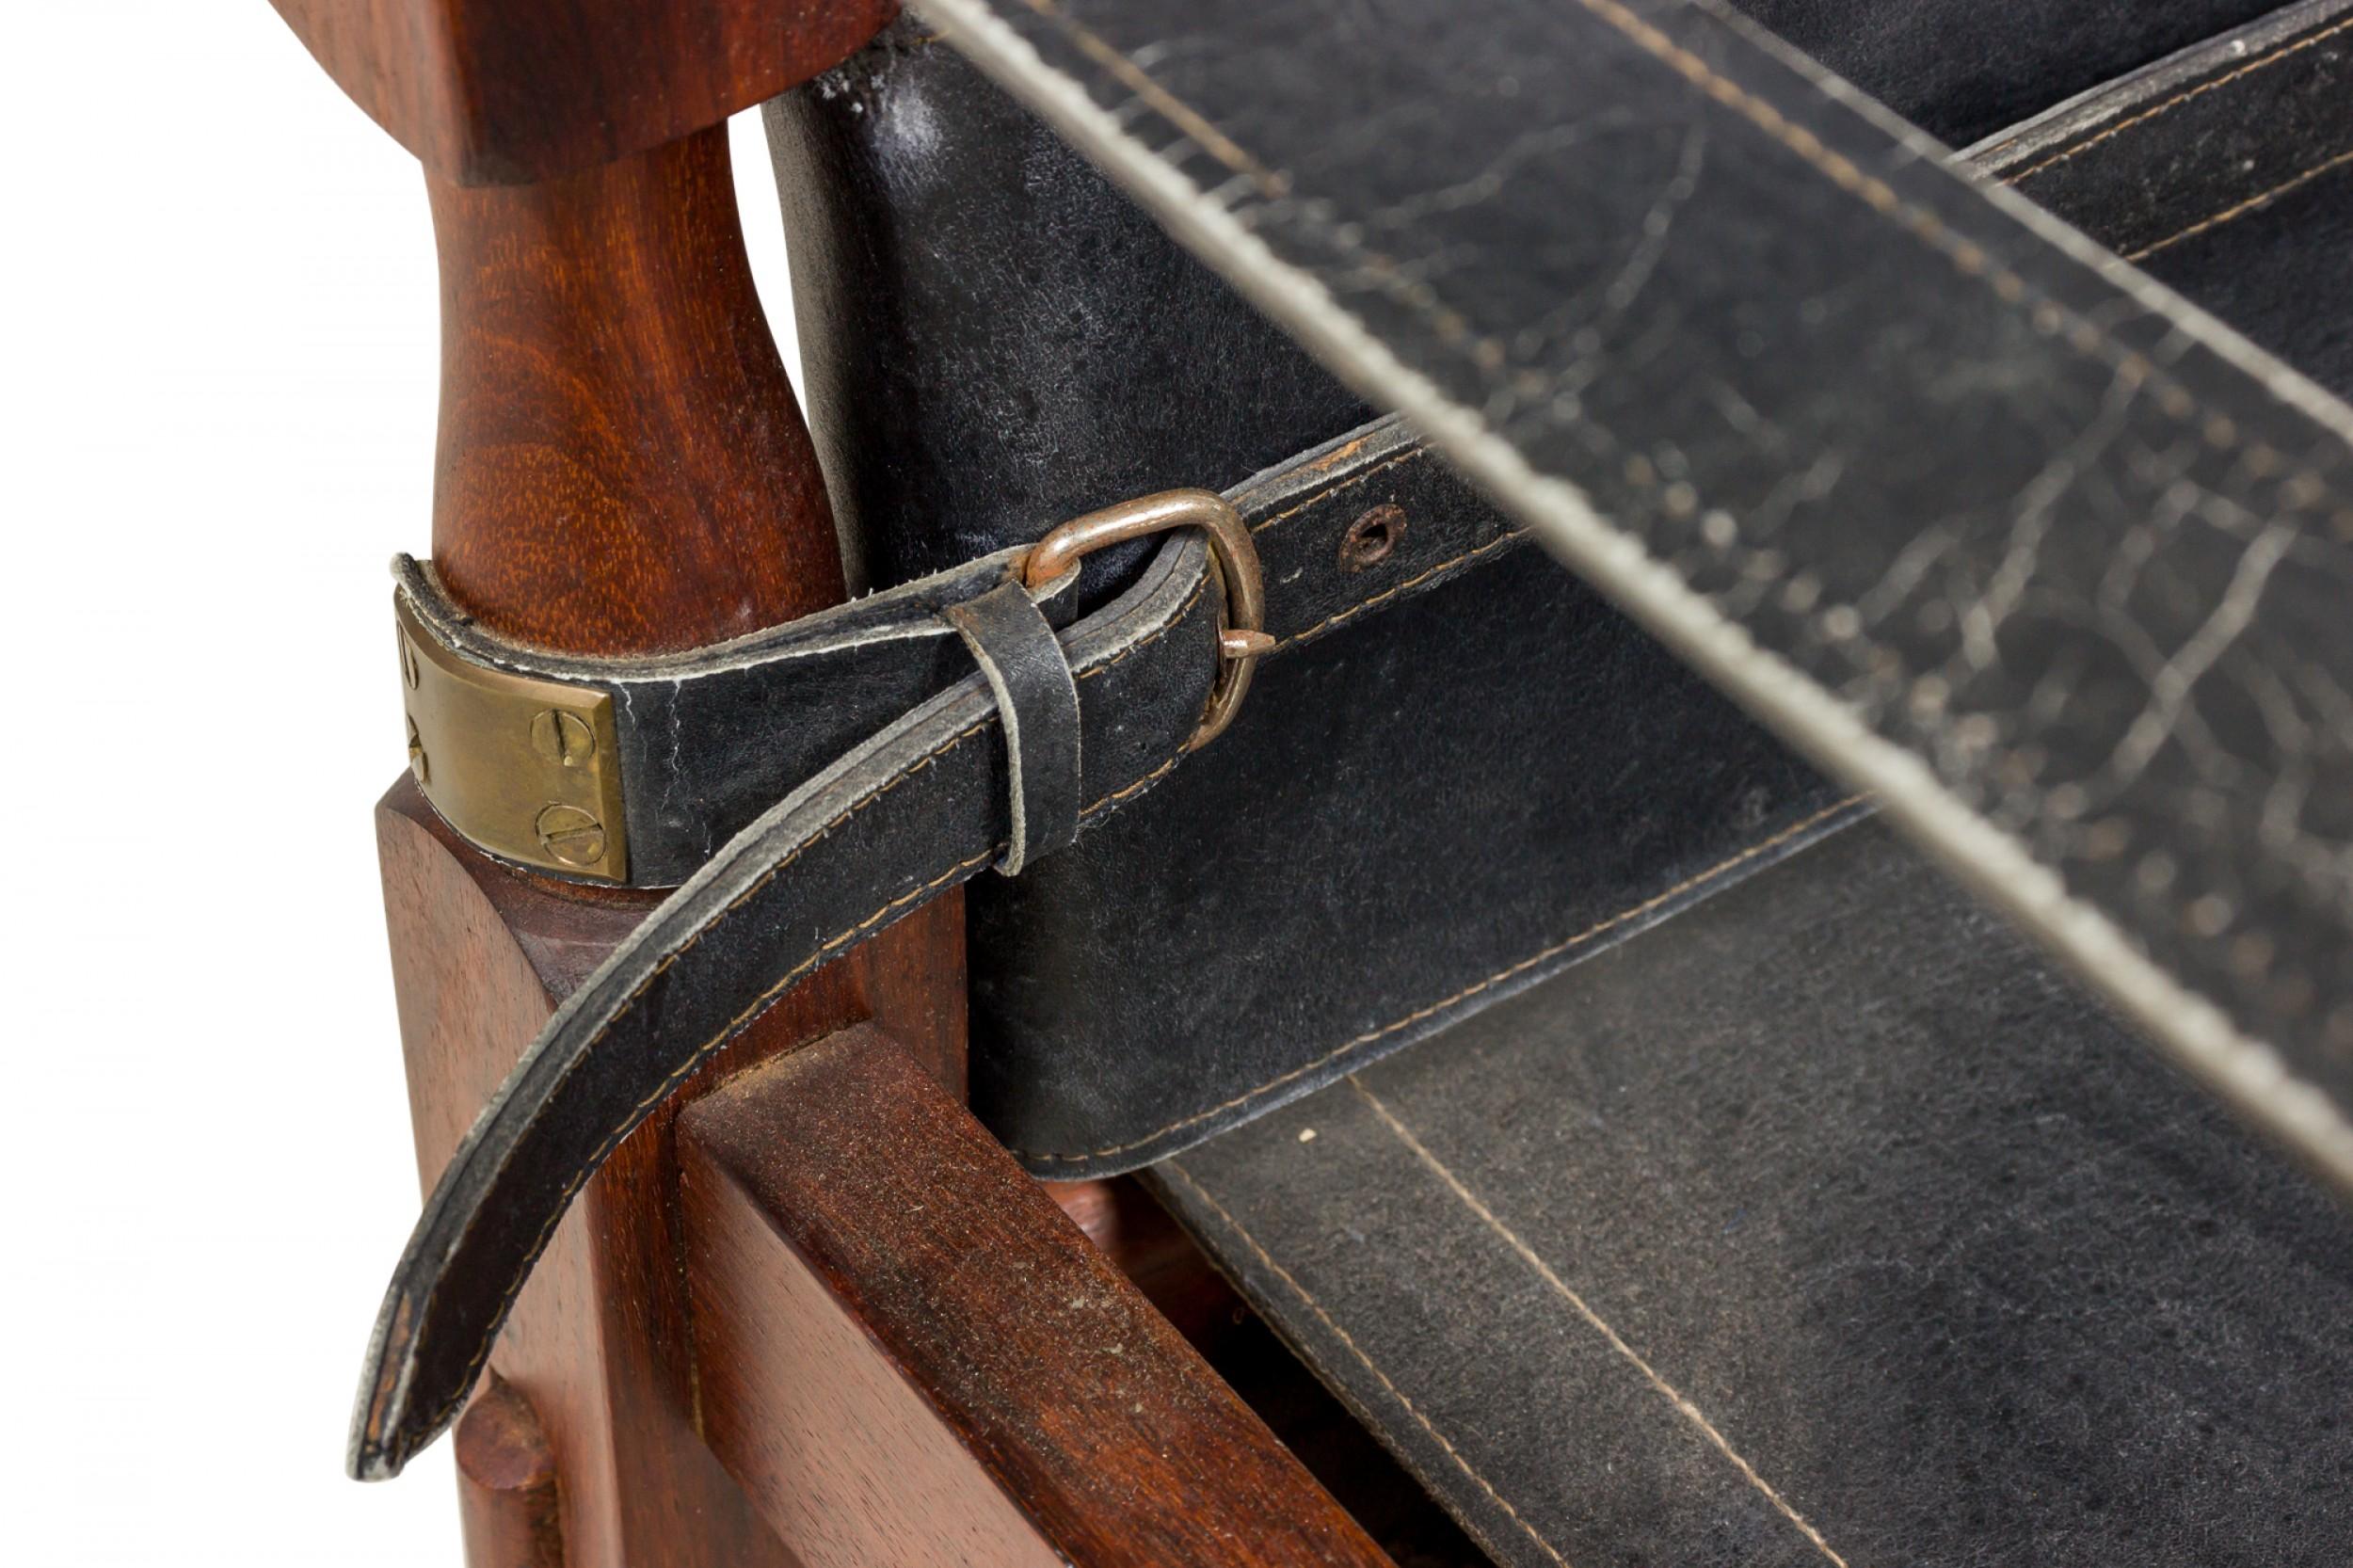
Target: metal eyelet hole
[1373, 537]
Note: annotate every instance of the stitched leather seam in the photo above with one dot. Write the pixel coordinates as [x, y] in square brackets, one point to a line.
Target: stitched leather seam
[1330, 491]
[1370, 1365]
[2233, 213]
[2249, 69]
[538, 1244]
[1410, 584]
[1674, 1395]
[2047, 317]
[2300, 489]
[1632, 911]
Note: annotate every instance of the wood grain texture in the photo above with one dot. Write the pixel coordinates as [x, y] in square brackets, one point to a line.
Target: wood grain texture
[908, 1355]
[598, 1342]
[1130, 1227]
[622, 467]
[515, 92]
[507, 1491]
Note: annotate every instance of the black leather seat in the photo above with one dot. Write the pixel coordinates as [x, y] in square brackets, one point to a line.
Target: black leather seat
[1821, 1222]
[1818, 1219]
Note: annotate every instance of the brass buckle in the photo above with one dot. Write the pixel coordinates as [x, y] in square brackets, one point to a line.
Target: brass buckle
[1231, 555]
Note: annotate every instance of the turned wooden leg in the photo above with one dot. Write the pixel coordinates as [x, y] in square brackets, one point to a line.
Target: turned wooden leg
[622, 470]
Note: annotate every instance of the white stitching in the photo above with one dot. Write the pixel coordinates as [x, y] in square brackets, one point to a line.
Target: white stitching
[1674, 1395]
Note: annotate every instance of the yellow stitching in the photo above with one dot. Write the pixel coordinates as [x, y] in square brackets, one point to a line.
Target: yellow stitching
[2264, 63]
[1334, 488]
[538, 1242]
[1410, 583]
[1674, 1395]
[1633, 911]
[1179, 113]
[2230, 214]
[1395, 1392]
[1145, 782]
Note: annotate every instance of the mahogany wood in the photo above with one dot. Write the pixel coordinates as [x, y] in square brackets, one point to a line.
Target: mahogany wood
[511, 91]
[622, 467]
[909, 1355]
[893, 1339]
[506, 1496]
[1143, 1242]
[598, 1339]
[598, 1342]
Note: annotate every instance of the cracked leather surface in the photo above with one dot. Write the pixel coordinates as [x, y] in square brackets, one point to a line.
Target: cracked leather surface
[2020, 533]
[992, 334]
[1823, 1224]
[1424, 805]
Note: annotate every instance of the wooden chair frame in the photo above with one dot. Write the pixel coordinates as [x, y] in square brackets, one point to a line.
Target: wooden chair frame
[810, 1313]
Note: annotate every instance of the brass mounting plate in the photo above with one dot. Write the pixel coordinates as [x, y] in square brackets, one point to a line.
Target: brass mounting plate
[528, 769]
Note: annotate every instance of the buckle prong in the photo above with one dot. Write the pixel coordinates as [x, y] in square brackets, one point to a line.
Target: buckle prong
[1232, 555]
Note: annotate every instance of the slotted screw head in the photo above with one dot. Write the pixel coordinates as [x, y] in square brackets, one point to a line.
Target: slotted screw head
[563, 739]
[570, 834]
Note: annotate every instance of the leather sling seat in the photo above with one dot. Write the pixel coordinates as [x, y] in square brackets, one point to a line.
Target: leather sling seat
[1740, 1191]
[1822, 1223]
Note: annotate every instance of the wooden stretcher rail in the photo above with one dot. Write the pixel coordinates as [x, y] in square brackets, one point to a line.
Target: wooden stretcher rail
[909, 1354]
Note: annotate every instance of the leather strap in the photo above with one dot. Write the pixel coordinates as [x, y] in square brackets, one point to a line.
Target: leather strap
[1971, 512]
[917, 809]
[1037, 707]
[711, 738]
[918, 805]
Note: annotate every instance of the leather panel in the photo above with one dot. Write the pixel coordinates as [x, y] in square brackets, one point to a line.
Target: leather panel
[1964, 69]
[1977, 515]
[991, 335]
[1823, 1224]
[1407, 823]
[1400, 829]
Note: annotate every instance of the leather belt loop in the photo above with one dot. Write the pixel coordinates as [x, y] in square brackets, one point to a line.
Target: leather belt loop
[1037, 700]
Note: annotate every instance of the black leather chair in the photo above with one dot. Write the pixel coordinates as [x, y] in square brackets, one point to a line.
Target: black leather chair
[1821, 1031]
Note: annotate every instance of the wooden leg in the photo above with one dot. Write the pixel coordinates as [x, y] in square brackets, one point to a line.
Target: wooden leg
[622, 470]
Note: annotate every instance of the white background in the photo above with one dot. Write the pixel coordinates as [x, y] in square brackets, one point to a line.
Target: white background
[220, 376]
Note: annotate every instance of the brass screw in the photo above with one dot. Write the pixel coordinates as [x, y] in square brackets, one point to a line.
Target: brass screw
[417, 763]
[570, 834]
[562, 737]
